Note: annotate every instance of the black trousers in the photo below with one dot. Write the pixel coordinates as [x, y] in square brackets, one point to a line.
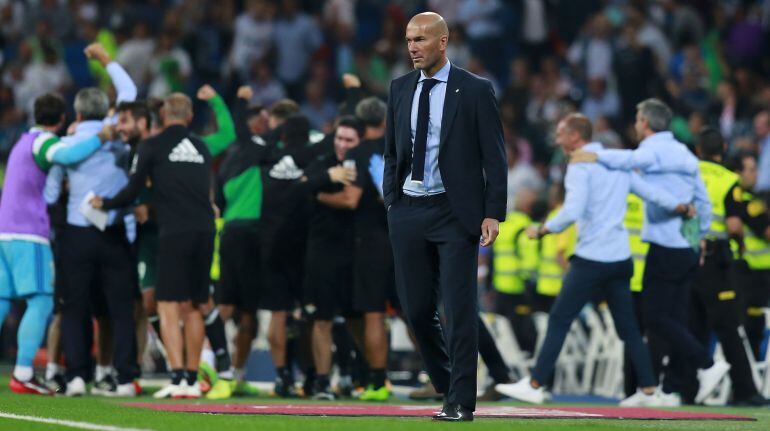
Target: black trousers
[104, 256]
[434, 255]
[668, 276]
[716, 307]
[491, 356]
[753, 288]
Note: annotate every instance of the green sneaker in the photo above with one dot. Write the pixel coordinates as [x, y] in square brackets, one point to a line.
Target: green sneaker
[222, 390]
[371, 394]
[245, 389]
[207, 374]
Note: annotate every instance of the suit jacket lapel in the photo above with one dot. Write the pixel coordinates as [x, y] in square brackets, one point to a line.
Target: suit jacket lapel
[407, 93]
[451, 100]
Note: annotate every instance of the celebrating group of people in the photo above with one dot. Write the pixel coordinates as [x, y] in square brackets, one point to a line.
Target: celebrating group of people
[153, 225]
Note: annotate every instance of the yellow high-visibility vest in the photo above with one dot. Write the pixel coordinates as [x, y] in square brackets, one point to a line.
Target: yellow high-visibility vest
[550, 274]
[718, 180]
[634, 221]
[514, 255]
[757, 253]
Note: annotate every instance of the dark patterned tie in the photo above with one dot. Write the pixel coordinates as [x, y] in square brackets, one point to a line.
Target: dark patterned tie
[421, 135]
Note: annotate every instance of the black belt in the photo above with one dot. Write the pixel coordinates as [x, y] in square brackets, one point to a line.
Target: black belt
[424, 200]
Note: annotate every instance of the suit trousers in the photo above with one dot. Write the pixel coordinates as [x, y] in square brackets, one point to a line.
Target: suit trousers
[104, 257]
[435, 255]
[586, 280]
[667, 281]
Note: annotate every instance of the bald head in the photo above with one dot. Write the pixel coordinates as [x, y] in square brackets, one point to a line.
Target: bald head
[177, 109]
[427, 37]
[433, 23]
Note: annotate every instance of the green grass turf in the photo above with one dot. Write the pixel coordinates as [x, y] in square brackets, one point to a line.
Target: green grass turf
[109, 412]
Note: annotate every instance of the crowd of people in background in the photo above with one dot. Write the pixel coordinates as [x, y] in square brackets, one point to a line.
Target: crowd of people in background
[287, 102]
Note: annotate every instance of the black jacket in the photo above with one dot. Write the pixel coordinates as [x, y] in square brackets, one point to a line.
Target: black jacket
[471, 149]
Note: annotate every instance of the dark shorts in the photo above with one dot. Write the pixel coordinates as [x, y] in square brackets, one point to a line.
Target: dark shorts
[328, 284]
[184, 265]
[239, 252]
[282, 272]
[373, 274]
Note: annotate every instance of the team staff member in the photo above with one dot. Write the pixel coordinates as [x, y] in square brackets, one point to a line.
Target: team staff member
[596, 200]
[445, 187]
[178, 165]
[92, 252]
[715, 304]
[329, 255]
[240, 190]
[671, 261]
[26, 261]
[373, 274]
[752, 269]
[284, 225]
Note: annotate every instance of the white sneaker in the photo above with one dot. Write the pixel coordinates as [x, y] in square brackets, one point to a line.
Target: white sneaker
[76, 387]
[640, 399]
[670, 400]
[168, 391]
[709, 379]
[124, 390]
[522, 391]
[190, 391]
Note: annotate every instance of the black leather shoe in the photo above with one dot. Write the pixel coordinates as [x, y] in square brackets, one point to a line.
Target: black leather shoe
[455, 413]
[753, 401]
[444, 410]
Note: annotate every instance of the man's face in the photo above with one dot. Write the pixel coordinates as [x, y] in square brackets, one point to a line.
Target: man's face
[258, 124]
[640, 126]
[565, 138]
[345, 139]
[128, 128]
[425, 45]
[749, 172]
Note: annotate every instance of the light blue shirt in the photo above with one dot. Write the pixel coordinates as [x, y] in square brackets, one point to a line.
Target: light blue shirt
[104, 172]
[432, 183]
[763, 175]
[596, 200]
[668, 164]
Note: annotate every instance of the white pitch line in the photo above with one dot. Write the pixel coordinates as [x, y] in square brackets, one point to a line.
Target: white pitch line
[66, 423]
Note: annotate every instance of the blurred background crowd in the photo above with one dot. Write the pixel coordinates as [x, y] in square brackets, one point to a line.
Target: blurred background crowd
[709, 60]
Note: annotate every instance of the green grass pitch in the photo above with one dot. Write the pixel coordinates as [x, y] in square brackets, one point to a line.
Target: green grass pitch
[109, 412]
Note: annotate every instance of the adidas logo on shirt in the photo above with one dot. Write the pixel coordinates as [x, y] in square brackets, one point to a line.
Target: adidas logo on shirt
[286, 169]
[185, 152]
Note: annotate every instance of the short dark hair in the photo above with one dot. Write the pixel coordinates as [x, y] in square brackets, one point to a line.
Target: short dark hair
[352, 122]
[284, 108]
[153, 107]
[253, 111]
[49, 109]
[579, 123]
[710, 142]
[138, 109]
[295, 131]
[735, 163]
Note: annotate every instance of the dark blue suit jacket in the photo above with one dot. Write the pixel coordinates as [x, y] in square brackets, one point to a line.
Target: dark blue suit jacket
[471, 147]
